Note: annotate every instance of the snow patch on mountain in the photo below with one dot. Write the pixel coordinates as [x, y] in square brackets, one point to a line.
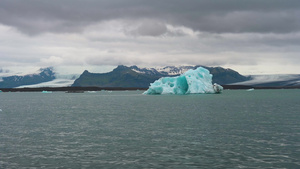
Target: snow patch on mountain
[138, 71]
[173, 70]
[167, 70]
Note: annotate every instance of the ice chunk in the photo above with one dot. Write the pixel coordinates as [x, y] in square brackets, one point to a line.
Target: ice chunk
[44, 91]
[192, 81]
[218, 88]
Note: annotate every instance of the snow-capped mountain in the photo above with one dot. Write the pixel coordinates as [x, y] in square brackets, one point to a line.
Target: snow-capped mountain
[44, 77]
[167, 70]
[173, 70]
[133, 76]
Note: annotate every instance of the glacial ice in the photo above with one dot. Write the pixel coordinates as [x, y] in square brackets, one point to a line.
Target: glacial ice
[190, 82]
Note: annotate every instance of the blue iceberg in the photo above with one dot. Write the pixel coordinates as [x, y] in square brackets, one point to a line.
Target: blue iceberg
[190, 82]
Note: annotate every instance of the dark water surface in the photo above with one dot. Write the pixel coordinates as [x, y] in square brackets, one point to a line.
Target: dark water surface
[236, 129]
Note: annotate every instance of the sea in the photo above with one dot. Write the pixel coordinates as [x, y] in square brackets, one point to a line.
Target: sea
[126, 129]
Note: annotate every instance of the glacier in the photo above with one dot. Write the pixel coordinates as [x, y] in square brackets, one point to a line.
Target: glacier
[190, 82]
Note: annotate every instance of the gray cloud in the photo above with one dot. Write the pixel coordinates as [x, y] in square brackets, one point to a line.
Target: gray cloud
[148, 28]
[36, 16]
[256, 35]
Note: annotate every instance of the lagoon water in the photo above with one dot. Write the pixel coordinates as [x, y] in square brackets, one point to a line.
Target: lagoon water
[125, 129]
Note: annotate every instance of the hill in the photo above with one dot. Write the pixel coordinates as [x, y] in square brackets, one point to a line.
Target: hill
[133, 76]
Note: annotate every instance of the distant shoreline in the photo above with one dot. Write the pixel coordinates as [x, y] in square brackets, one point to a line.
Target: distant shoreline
[69, 89]
[80, 89]
[258, 87]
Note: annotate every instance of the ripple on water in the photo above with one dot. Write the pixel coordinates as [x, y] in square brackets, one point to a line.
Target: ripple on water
[257, 130]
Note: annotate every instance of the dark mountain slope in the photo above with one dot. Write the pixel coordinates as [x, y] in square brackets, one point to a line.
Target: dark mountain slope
[226, 76]
[133, 76]
[121, 76]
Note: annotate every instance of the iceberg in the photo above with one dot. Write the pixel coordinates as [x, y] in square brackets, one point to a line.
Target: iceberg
[249, 90]
[190, 82]
[44, 91]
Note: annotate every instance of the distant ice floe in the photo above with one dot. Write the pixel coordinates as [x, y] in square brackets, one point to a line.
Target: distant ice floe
[190, 82]
[44, 91]
[249, 90]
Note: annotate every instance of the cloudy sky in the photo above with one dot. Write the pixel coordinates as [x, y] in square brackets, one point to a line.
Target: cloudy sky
[250, 36]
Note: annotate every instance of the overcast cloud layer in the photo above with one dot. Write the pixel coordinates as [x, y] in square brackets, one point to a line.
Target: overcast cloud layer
[252, 37]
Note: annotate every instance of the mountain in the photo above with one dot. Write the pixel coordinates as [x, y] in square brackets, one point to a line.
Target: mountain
[121, 76]
[164, 71]
[133, 76]
[44, 75]
[226, 76]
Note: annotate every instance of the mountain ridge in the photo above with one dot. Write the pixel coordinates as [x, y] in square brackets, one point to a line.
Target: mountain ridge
[121, 76]
[44, 75]
[133, 76]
